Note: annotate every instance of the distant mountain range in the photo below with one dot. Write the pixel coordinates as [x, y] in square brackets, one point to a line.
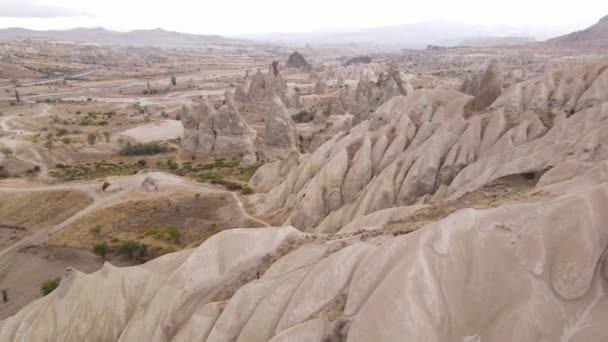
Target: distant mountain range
[419, 35]
[596, 35]
[103, 36]
[496, 41]
[414, 36]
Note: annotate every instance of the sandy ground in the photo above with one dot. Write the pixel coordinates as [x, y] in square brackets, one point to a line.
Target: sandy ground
[157, 130]
[37, 264]
[27, 258]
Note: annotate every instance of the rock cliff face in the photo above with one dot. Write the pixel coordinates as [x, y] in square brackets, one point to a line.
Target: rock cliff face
[266, 87]
[218, 133]
[280, 131]
[369, 95]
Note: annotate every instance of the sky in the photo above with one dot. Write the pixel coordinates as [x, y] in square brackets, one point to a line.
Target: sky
[236, 17]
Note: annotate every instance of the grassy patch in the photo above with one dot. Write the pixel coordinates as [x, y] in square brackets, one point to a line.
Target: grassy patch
[166, 233]
[98, 169]
[135, 250]
[140, 149]
[100, 249]
[49, 285]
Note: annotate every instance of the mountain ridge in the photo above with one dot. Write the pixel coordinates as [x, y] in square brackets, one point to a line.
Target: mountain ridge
[102, 35]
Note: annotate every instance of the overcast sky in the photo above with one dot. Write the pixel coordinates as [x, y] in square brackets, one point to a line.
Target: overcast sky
[230, 17]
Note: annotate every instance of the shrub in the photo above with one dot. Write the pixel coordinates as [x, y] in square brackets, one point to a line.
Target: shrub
[49, 285]
[303, 117]
[172, 165]
[167, 233]
[246, 190]
[134, 249]
[91, 138]
[61, 131]
[142, 149]
[96, 230]
[100, 249]
[66, 140]
[7, 152]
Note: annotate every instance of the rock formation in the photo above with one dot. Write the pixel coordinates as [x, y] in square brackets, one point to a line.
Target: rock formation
[221, 133]
[321, 87]
[266, 87]
[503, 274]
[426, 221]
[150, 184]
[369, 95]
[490, 86]
[428, 144]
[280, 131]
[297, 61]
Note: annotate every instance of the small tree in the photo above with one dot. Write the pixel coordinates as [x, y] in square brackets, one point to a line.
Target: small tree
[91, 138]
[100, 249]
[17, 97]
[173, 80]
[49, 285]
[133, 249]
[107, 135]
[7, 152]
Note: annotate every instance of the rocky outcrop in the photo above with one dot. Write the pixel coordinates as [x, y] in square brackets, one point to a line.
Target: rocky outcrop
[150, 184]
[562, 90]
[297, 61]
[280, 131]
[321, 87]
[218, 133]
[427, 145]
[433, 284]
[490, 86]
[369, 95]
[266, 87]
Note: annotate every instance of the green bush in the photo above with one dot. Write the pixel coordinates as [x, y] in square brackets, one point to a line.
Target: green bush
[61, 131]
[91, 138]
[49, 285]
[96, 230]
[303, 117]
[246, 190]
[134, 249]
[142, 149]
[100, 249]
[172, 165]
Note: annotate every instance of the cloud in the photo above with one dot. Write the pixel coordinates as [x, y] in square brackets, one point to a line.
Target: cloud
[24, 9]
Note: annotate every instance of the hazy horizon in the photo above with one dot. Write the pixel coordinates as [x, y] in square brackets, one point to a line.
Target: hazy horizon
[238, 18]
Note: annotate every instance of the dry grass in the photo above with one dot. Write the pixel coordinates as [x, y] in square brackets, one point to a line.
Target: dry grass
[32, 210]
[196, 218]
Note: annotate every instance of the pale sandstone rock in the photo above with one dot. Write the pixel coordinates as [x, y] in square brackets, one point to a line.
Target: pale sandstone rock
[280, 130]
